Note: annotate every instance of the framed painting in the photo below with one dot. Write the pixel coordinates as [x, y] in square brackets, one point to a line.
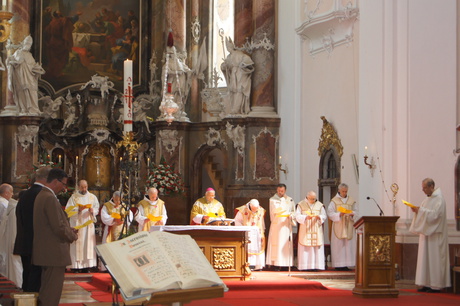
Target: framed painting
[80, 38]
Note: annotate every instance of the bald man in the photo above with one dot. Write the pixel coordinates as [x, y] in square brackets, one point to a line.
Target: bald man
[310, 214]
[206, 208]
[152, 211]
[82, 208]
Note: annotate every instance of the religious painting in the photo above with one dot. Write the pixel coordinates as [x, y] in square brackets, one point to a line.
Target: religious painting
[81, 38]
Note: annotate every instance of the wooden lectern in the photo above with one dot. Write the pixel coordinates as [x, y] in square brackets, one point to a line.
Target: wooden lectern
[375, 257]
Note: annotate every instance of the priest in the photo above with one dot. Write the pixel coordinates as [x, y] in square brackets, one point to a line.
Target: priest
[82, 209]
[152, 211]
[433, 267]
[206, 209]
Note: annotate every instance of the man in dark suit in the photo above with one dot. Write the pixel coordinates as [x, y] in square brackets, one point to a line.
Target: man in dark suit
[52, 238]
[31, 274]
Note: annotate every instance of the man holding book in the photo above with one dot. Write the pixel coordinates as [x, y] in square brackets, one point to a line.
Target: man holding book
[430, 223]
[114, 213]
[82, 209]
[52, 236]
[343, 212]
[152, 211]
[206, 208]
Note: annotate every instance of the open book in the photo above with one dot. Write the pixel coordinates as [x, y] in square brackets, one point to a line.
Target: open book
[144, 263]
[408, 204]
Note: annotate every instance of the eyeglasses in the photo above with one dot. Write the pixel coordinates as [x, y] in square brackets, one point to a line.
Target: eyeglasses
[65, 184]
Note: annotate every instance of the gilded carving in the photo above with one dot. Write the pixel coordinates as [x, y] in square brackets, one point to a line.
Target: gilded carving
[379, 248]
[223, 258]
[329, 138]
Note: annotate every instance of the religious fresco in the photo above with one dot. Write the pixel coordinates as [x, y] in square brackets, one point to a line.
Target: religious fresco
[81, 38]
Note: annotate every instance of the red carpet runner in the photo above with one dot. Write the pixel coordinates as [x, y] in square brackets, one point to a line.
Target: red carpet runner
[278, 289]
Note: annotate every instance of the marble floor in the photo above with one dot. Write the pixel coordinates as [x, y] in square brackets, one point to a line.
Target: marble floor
[72, 293]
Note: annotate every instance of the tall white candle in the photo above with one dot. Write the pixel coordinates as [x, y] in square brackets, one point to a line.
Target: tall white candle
[128, 96]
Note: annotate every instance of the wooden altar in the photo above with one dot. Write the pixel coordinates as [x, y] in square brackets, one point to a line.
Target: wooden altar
[375, 257]
[224, 246]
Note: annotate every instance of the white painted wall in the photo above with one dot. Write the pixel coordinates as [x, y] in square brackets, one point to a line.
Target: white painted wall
[408, 99]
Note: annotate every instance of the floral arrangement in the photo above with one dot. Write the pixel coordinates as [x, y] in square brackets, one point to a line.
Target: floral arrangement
[163, 177]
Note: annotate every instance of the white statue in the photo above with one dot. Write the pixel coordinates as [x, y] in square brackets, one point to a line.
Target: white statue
[179, 75]
[23, 74]
[51, 107]
[237, 68]
[140, 106]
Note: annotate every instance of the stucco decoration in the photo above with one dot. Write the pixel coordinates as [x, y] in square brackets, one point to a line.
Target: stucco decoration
[236, 134]
[329, 138]
[328, 30]
[214, 138]
[266, 148]
[26, 135]
[170, 140]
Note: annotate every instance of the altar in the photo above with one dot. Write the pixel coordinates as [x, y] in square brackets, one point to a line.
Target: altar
[226, 247]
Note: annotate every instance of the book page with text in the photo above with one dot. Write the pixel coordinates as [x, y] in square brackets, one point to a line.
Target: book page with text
[138, 265]
[193, 267]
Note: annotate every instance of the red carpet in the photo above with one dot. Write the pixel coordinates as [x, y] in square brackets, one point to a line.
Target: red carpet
[278, 289]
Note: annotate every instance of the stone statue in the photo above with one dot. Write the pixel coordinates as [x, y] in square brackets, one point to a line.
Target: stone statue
[237, 68]
[179, 75]
[23, 74]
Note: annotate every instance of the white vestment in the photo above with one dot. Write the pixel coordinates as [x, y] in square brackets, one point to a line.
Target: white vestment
[109, 220]
[433, 267]
[279, 245]
[10, 265]
[343, 251]
[256, 246]
[311, 257]
[82, 251]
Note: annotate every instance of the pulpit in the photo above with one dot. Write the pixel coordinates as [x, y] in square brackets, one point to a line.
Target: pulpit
[375, 257]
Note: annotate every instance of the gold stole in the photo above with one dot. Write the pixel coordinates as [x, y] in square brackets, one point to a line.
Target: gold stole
[114, 231]
[254, 219]
[343, 229]
[154, 210]
[310, 233]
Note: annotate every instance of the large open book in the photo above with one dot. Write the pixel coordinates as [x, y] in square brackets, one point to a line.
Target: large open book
[144, 263]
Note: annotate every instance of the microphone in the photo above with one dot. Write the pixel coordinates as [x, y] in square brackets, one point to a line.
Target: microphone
[381, 211]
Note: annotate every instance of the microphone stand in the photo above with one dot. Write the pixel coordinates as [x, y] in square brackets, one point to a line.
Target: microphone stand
[381, 211]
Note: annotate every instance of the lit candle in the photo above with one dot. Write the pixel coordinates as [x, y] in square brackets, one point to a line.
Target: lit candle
[76, 160]
[365, 150]
[59, 159]
[120, 159]
[128, 96]
[148, 162]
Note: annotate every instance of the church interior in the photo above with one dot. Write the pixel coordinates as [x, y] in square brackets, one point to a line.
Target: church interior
[239, 96]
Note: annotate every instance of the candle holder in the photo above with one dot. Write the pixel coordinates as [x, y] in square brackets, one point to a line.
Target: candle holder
[129, 174]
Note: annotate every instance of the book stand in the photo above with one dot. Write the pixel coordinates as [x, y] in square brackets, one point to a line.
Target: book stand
[180, 296]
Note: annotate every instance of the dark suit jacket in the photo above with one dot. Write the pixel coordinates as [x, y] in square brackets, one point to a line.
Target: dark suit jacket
[24, 221]
[52, 232]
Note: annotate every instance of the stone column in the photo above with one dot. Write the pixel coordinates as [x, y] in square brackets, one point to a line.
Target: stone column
[195, 27]
[263, 78]
[175, 20]
[243, 21]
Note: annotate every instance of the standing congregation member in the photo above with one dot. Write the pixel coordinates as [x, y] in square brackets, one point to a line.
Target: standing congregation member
[31, 274]
[280, 246]
[52, 236]
[343, 212]
[113, 215]
[433, 267]
[310, 214]
[152, 211]
[206, 207]
[82, 208]
[10, 264]
[252, 214]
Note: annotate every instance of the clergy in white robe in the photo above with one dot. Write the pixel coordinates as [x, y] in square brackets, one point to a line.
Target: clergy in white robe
[10, 265]
[252, 214]
[82, 209]
[151, 211]
[116, 218]
[433, 267]
[343, 212]
[310, 214]
[279, 246]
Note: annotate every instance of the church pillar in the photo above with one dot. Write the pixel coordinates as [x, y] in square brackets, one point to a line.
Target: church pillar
[19, 147]
[263, 55]
[175, 20]
[243, 21]
[196, 39]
